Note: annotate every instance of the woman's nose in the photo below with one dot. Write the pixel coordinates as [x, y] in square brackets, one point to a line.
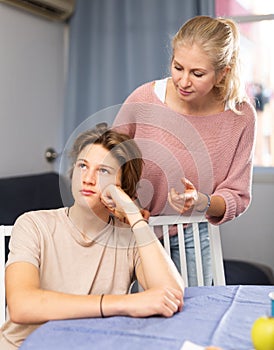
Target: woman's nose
[185, 80]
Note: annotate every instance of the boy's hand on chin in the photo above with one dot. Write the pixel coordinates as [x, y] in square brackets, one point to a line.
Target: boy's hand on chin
[120, 204]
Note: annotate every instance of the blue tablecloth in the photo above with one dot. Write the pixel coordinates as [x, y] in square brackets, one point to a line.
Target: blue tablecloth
[220, 316]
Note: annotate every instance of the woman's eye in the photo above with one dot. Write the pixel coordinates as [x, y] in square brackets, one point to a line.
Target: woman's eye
[178, 68]
[198, 75]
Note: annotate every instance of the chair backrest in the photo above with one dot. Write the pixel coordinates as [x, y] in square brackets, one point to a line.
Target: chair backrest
[215, 244]
[5, 231]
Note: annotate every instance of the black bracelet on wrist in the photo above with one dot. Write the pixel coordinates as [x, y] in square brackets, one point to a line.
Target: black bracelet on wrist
[137, 222]
[207, 205]
[101, 306]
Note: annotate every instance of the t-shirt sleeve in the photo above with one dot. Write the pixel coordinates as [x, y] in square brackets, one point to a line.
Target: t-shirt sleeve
[24, 243]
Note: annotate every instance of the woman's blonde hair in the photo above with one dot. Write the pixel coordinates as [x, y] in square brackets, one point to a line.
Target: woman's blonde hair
[122, 148]
[219, 39]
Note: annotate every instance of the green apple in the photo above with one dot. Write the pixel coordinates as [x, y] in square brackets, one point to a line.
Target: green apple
[262, 333]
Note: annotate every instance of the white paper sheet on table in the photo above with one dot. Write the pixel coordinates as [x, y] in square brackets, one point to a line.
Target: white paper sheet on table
[191, 346]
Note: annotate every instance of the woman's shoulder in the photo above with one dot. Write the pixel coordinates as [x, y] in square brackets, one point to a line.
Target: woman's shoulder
[247, 106]
[247, 111]
[143, 93]
[147, 86]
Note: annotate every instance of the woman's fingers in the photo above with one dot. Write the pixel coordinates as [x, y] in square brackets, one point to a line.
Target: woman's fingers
[188, 184]
[182, 202]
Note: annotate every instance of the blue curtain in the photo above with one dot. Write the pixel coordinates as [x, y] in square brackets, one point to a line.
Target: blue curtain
[116, 45]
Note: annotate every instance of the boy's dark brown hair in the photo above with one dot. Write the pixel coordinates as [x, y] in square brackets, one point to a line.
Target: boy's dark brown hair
[122, 148]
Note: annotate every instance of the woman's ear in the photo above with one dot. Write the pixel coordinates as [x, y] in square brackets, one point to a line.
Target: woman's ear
[222, 74]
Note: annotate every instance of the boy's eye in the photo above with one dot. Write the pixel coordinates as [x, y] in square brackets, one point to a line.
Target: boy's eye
[82, 165]
[104, 171]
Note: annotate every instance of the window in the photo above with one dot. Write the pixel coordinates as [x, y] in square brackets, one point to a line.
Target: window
[256, 24]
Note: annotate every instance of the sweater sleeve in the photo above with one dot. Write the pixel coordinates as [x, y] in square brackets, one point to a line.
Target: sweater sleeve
[236, 188]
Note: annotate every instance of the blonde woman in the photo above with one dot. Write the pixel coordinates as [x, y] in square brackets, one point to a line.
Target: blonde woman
[196, 132]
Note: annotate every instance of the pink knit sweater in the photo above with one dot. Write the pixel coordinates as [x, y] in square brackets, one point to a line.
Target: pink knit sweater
[214, 152]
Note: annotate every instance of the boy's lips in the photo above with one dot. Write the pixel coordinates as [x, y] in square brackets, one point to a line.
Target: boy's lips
[86, 192]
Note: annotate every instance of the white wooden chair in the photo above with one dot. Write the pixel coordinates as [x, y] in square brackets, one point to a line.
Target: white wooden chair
[5, 231]
[215, 244]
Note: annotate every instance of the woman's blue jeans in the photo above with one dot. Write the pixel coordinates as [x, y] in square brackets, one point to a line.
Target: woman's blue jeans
[190, 254]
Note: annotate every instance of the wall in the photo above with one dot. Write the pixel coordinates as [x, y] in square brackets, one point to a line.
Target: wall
[250, 237]
[32, 72]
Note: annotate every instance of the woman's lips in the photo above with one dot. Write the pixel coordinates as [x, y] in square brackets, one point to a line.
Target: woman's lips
[184, 92]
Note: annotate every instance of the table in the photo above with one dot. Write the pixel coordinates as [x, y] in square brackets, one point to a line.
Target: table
[219, 315]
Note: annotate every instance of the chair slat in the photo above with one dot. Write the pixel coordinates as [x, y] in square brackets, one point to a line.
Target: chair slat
[166, 239]
[2, 275]
[215, 245]
[216, 255]
[5, 231]
[198, 255]
[182, 251]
